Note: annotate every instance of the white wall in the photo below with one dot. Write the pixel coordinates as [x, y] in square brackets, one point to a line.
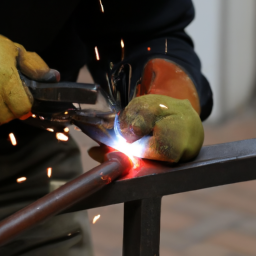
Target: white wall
[240, 52]
[224, 36]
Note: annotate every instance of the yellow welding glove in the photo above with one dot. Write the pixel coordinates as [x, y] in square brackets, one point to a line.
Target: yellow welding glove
[174, 128]
[15, 99]
[167, 109]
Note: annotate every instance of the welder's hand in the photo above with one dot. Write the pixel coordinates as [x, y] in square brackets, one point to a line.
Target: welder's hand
[175, 129]
[15, 99]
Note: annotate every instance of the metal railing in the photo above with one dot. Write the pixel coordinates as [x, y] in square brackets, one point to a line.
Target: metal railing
[141, 191]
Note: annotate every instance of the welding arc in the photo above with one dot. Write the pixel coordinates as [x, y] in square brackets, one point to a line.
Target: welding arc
[65, 196]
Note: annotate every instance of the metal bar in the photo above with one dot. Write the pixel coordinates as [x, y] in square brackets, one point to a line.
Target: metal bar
[216, 165]
[65, 196]
[142, 227]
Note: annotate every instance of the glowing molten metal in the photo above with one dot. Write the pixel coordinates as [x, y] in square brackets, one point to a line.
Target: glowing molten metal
[123, 146]
[97, 53]
[101, 6]
[21, 179]
[61, 136]
[95, 219]
[13, 139]
[49, 172]
[127, 149]
[66, 129]
[122, 43]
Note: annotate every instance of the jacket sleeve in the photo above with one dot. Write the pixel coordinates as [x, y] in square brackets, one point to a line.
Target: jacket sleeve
[157, 31]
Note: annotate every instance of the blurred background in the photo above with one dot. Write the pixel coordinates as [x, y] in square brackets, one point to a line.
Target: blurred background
[218, 221]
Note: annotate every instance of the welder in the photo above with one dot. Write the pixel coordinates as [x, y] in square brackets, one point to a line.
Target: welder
[169, 96]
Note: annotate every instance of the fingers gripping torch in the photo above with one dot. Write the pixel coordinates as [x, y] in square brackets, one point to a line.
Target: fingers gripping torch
[76, 104]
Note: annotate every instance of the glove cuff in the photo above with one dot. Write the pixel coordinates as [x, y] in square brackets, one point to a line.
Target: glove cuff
[164, 77]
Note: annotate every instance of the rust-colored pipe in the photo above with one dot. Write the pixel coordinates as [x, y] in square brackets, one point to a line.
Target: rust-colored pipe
[65, 196]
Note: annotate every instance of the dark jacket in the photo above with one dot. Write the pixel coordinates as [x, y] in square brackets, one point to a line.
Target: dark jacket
[65, 33]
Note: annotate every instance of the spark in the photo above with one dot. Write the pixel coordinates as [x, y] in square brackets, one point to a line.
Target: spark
[13, 139]
[97, 53]
[41, 117]
[166, 45]
[122, 46]
[122, 43]
[149, 49]
[50, 130]
[66, 129]
[49, 172]
[33, 115]
[101, 6]
[163, 106]
[21, 179]
[95, 219]
[62, 137]
[66, 112]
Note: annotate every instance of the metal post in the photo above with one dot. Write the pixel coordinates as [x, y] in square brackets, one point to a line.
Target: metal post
[142, 227]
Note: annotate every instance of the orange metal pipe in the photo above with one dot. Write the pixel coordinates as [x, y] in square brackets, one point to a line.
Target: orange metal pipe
[65, 196]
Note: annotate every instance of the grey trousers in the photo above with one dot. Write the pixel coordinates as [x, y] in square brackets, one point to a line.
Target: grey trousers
[65, 235]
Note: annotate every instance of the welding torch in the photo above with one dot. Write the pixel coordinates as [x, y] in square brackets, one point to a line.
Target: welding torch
[87, 106]
[117, 164]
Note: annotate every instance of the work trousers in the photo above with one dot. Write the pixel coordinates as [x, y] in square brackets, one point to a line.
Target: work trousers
[66, 234]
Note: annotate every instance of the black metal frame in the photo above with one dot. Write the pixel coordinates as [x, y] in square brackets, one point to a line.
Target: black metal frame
[141, 191]
[142, 227]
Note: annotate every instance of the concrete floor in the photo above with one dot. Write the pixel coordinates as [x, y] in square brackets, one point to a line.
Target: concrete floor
[219, 221]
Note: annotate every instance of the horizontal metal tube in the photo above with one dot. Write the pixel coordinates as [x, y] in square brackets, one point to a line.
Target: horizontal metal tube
[65, 196]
